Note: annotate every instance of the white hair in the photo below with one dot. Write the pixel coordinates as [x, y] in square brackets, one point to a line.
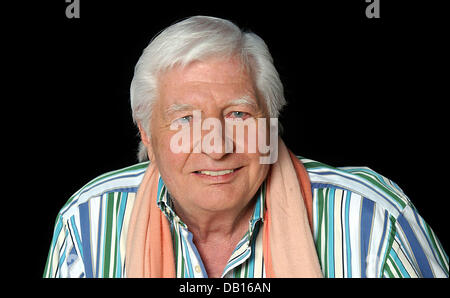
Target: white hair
[196, 39]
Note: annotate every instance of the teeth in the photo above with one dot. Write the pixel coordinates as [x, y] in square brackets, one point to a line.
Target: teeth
[216, 173]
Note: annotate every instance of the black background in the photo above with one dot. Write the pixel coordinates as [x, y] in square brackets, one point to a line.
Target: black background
[361, 92]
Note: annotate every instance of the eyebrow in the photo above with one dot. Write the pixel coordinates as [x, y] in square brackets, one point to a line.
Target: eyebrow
[245, 100]
[179, 107]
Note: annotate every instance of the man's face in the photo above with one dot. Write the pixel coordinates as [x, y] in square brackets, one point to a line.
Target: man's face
[203, 182]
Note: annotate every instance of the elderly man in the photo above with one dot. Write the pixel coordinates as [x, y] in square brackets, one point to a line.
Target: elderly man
[205, 209]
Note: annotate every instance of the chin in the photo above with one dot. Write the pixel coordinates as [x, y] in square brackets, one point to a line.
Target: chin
[221, 201]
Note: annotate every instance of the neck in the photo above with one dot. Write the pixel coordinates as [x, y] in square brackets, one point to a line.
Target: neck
[212, 226]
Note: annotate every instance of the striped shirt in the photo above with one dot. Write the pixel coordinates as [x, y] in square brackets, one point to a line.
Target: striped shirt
[363, 226]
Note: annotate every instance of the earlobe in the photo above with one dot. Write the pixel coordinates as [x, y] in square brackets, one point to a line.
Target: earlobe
[145, 138]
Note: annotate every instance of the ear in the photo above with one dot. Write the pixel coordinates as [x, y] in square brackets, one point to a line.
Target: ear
[145, 138]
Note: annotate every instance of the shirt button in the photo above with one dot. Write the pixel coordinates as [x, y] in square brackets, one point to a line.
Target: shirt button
[198, 269]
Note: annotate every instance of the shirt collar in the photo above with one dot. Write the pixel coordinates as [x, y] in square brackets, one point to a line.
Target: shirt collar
[165, 203]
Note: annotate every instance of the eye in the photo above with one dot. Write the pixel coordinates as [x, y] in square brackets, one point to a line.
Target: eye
[238, 115]
[184, 119]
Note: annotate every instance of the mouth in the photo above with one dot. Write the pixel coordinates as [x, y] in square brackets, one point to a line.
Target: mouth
[217, 174]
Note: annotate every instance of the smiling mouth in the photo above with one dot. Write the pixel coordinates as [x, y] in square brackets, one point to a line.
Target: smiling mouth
[217, 173]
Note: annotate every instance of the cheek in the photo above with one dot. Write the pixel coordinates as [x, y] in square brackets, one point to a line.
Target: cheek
[169, 164]
[257, 171]
[262, 170]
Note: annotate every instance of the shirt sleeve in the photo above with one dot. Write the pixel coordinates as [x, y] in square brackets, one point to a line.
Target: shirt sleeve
[415, 250]
[64, 259]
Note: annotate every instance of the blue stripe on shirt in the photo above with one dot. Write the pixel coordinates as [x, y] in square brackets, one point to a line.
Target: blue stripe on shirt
[366, 230]
[416, 248]
[85, 236]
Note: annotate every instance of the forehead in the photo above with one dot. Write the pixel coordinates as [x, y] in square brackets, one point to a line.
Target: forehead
[219, 78]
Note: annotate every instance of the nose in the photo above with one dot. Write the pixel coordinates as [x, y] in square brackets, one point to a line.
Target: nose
[216, 156]
[213, 138]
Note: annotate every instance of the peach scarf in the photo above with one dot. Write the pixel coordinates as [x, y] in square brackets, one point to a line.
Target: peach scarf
[288, 245]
